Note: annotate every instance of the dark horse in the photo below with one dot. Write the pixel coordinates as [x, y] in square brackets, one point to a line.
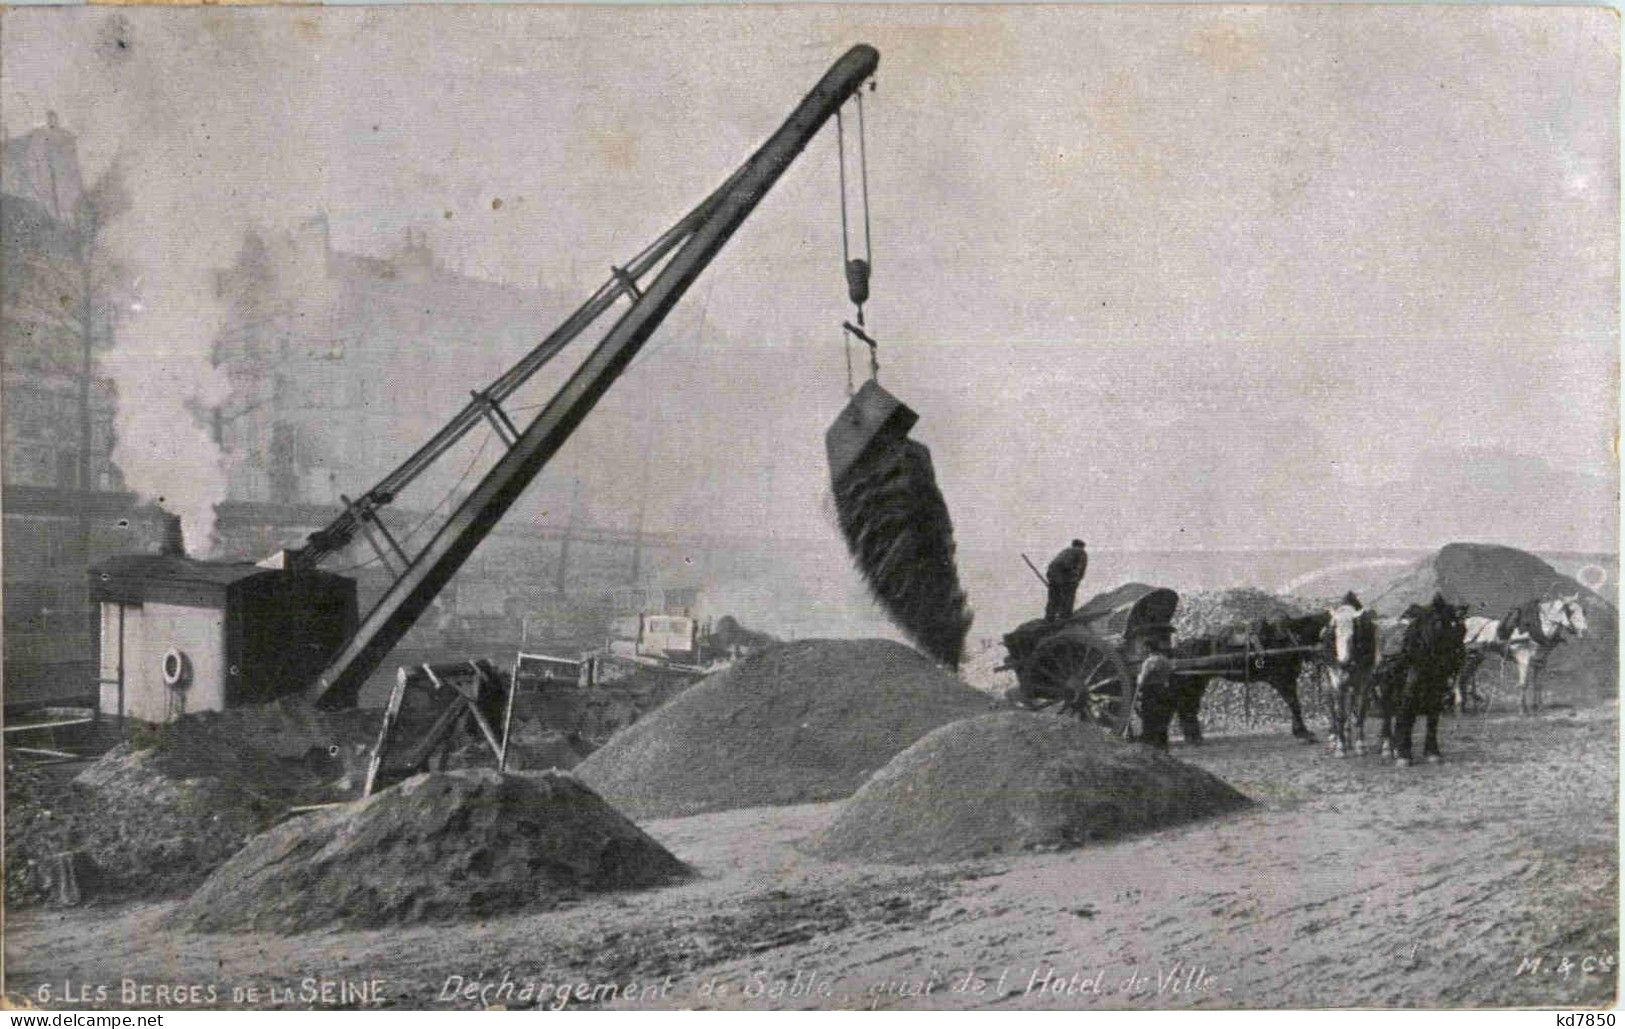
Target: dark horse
[1415, 681]
[1279, 670]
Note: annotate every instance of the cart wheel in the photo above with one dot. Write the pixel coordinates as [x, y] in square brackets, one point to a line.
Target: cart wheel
[1086, 676]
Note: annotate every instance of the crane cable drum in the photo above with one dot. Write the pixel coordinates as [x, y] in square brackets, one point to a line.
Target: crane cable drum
[891, 512]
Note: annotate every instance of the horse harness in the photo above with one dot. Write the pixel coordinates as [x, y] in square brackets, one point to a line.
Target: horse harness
[1530, 618]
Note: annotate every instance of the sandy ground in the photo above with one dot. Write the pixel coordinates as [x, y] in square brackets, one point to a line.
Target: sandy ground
[1489, 880]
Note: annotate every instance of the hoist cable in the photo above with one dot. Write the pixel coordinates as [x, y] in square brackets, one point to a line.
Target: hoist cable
[863, 171]
[856, 271]
[840, 153]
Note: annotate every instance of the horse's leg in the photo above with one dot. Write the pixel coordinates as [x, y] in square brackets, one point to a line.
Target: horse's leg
[1340, 709]
[1189, 707]
[1288, 689]
[1357, 704]
[1334, 724]
[1430, 745]
[1536, 689]
[1520, 658]
[1468, 679]
[1404, 724]
[1464, 683]
[1326, 688]
[1383, 690]
[1385, 725]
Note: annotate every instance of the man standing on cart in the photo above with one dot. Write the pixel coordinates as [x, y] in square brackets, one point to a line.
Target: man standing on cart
[1064, 574]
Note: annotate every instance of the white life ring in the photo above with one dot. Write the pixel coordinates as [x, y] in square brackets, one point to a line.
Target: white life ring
[177, 668]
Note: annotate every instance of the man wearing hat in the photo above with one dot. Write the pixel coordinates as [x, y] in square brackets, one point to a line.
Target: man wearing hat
[1064, 574]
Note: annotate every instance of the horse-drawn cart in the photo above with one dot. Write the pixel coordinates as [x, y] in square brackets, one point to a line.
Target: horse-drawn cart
[1090, 664]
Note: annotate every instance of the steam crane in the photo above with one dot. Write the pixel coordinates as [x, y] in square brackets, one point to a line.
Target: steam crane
[691, 244]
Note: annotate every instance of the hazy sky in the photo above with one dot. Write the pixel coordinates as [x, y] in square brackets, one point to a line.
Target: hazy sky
[1164, 276]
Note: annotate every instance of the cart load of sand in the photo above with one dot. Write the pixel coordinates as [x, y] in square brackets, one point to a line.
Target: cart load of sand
[1016, 781]
[1491, 580]
[798, 722]
[438, 847]
[1210, 613]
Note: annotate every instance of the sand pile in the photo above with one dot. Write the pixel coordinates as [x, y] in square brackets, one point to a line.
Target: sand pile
[283, 751]
[1223, 612]
[144, 834]
[157, 813]
[437, 847]
[1015, 781]
[798, 722]
[1492, 580]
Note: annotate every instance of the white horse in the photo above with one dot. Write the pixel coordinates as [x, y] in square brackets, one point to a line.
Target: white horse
[1360, 643]
[1347, 670]
[1558, 616]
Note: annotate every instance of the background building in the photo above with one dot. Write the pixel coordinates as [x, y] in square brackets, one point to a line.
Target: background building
[63, 501]
[339, 365]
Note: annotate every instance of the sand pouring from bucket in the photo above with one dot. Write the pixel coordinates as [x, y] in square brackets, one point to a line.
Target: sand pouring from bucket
[887, 502]
[895, 521]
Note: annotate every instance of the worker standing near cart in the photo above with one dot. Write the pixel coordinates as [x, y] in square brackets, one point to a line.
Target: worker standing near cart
[1064, 574]
[1154, 688]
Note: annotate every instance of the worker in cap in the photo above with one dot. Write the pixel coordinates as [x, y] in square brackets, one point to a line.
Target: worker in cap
[1064, 574]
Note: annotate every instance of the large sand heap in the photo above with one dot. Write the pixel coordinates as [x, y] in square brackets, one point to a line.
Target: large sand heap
[798, 722]
[1015, 781]
[158, 812]
[439, 846]
[1492, 580]
[145, 834]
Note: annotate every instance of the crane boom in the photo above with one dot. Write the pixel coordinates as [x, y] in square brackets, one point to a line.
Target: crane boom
[717, 220]
[338, 534]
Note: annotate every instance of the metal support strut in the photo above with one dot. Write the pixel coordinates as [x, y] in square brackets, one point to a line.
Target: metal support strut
[366, 516]
[504, 427]
[707, 230]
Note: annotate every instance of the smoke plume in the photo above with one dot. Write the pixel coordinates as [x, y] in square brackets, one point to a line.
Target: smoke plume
[162, 366]
[200, 158]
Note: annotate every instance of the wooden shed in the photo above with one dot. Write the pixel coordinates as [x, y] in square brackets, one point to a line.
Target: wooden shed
[180, 635]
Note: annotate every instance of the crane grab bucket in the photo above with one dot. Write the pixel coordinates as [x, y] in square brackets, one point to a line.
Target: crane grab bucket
[895, 521]
[873, 419]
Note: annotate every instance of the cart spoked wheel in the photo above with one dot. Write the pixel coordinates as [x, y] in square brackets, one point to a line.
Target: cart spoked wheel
[1078, 672]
